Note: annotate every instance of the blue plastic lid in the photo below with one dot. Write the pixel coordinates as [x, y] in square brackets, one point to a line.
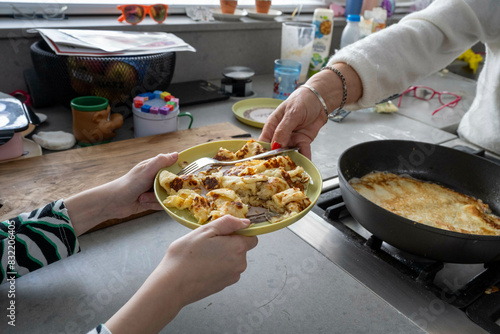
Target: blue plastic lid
[353, 18]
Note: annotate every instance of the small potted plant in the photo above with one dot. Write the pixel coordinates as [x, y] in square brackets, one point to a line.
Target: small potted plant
[228, 6]
[262, 6]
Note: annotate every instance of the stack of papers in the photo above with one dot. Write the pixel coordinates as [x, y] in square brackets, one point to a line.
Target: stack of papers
[103, 43]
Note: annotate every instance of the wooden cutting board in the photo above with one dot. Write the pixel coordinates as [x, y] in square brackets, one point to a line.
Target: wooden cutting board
[28, 184]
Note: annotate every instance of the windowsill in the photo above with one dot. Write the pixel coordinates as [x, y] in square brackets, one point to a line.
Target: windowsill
[14, 28]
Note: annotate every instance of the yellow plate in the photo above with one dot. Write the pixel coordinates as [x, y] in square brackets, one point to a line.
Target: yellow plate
[254, 112]
[209, 150]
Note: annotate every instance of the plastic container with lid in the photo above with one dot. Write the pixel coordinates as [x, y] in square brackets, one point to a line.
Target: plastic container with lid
[323, 20]
[156, 113]
[351, 32]
[13, 121]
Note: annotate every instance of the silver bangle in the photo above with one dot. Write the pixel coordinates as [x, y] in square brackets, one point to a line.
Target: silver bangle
[325, 108]
[344, 90]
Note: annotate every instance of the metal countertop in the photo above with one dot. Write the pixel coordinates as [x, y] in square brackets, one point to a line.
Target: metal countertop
[288, 287]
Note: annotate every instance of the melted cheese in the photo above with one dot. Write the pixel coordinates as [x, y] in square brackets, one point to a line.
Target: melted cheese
[199, 206]
[173, 183]
[428, 203]
[250, 149]
[226, 202]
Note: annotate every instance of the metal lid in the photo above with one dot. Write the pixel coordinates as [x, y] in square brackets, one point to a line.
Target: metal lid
[238, 72]
[13, 118]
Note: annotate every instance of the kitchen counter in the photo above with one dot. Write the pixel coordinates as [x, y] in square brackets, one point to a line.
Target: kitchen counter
[289, 287]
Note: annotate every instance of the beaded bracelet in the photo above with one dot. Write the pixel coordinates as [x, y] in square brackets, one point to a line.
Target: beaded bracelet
[325, 108]
[344, 89]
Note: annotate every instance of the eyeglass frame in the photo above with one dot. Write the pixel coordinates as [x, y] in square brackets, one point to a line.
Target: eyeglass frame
[451, 104]
[147, 11]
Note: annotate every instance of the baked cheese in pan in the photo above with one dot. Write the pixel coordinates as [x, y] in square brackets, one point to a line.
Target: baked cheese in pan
[428, 203]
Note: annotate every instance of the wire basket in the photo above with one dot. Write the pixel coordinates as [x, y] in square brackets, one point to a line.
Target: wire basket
[118, 79]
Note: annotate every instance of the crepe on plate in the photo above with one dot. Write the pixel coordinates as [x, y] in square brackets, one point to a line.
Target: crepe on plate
[276, 184]
[428, 203]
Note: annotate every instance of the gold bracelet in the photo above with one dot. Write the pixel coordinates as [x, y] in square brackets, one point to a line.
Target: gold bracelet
[344, 89]
[325, 108]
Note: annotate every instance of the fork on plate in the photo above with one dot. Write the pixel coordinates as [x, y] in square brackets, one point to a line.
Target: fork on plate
[262, 217]
[205, 162]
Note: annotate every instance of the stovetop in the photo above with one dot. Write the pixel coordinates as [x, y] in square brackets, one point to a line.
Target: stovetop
[469, 287]
[438, 297]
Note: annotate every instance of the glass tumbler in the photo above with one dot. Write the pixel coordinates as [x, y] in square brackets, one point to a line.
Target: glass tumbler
[297, 40]
[286, 77]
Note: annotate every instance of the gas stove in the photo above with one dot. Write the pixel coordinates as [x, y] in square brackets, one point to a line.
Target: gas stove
[438, 297]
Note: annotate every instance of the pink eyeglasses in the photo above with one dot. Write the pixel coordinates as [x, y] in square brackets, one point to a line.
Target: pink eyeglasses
[447, 99]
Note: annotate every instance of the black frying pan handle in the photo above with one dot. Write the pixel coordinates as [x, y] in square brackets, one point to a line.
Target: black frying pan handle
[471, 150]
[476, 151]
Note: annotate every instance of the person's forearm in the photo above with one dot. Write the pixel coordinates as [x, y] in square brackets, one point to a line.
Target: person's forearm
[120, 198]
[152, 307]
[329, 85]
[89, 208]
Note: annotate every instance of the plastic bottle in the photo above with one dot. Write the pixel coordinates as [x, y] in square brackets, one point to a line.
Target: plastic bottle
[323, 20]
[353, 7]
[351, 31]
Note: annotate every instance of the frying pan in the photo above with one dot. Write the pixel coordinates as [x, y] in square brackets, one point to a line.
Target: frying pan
[463, 172]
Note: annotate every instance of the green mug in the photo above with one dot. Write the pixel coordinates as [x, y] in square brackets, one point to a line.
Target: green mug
[93, 122]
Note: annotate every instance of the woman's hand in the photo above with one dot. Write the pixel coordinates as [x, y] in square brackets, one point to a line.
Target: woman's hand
[296, 122]
[201, 263]
[125, 196]
[133, 189]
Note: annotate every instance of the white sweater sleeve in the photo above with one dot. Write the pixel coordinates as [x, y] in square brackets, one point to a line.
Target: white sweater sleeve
[422, 43]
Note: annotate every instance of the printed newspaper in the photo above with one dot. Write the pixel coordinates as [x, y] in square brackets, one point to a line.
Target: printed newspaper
[95, 43]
